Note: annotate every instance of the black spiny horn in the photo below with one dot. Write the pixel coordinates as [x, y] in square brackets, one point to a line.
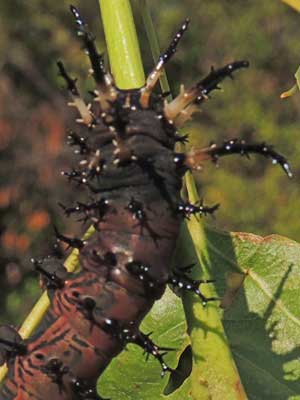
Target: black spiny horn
[185, 104]
[96, 59]
[162, 60]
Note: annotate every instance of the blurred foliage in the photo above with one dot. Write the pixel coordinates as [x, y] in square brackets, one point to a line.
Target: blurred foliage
[254, 195]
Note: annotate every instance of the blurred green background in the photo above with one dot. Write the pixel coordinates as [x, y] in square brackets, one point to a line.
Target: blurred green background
[254, 195]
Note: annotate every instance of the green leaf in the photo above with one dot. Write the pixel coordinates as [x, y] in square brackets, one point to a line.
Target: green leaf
[260, 278]
[263, 325]
[129, 376]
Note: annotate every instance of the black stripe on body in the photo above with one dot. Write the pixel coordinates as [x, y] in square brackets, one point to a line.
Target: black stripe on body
[53, 341]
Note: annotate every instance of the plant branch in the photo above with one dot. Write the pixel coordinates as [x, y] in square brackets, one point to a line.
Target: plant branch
[122, 43]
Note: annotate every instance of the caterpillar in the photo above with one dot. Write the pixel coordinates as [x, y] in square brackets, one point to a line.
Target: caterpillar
[130, 166]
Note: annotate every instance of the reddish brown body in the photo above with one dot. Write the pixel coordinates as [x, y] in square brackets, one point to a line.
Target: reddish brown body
[75, 335]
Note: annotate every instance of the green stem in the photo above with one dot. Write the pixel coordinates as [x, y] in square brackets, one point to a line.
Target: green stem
[214, 374]
[122, 44]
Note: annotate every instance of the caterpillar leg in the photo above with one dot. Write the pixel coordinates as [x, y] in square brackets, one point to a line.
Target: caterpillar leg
[150, 348]
[188, 209]
[138, 212]
[179, 279]
[76, 243]
[129, 334]
[53, 273]
[84, 391]
[94, 211]
[185, 104]
[193, 158]
[162, 60]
